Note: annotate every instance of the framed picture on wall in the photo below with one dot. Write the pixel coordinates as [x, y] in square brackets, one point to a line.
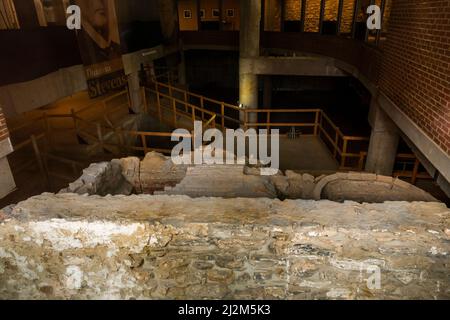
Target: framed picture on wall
[187, 14]
[230, 13]
[215, 13]
[202, 13]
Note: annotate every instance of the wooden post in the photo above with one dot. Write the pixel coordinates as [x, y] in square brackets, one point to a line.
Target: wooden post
[268, 121]
[223, 115]
[144, 143]
[316, 123]
[202, 105]
[100, 136]
[344, 152]
[336, 146]
[174, 106]
[415, 172]
[48, 130]
[186, 101]
[144, 100]
[193, 116]
[361, 161]
[158, 101]
[44, 173]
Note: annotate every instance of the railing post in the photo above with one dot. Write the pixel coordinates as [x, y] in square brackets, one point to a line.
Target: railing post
[119, 135]
[344, 152]
[268, 121]
[158, 101]
[316, 123]
[174, 106]
[38, 155]
[144, 143]
[361, 161]
[48, 130]
[222, 110]
[193, 115]
[186, 101]
[336, 145]
[415, 172]
[100, 136]
[202, 105]
[144, 100]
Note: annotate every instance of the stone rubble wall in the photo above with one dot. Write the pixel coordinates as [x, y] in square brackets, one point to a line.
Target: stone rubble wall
[68, 246]
[101, 179]
[128, 175]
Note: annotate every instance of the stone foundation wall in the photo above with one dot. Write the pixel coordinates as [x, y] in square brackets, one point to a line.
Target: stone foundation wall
[159, 247]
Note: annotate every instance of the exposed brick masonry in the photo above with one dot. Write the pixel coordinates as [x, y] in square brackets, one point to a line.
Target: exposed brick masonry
[415, 69]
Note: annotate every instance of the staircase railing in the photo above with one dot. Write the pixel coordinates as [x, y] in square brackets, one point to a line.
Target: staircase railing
[348, 151]
[190, 105]
[315, 123]
[172, 104]
[42, 158]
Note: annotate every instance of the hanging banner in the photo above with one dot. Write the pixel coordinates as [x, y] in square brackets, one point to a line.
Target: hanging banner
[99, 44]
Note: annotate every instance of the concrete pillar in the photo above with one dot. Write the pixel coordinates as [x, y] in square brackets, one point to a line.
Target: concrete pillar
[249, 49]
[168, 16]
[383, 142]
[135, 92]
[267, 92]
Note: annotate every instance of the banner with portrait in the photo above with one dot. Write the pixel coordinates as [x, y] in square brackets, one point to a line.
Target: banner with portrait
[99, 44]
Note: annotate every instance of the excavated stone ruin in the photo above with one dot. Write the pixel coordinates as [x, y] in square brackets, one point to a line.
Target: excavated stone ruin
[156, 174]
[69, 246]
[132, 229]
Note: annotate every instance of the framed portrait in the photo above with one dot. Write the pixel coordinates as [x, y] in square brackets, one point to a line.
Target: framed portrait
[215, 13]
[187, 14]
[230, 13]
[202, 13]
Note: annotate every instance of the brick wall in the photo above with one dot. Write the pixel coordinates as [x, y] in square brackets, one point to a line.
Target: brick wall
[292, 9]
[4, 133]
[415, 68]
